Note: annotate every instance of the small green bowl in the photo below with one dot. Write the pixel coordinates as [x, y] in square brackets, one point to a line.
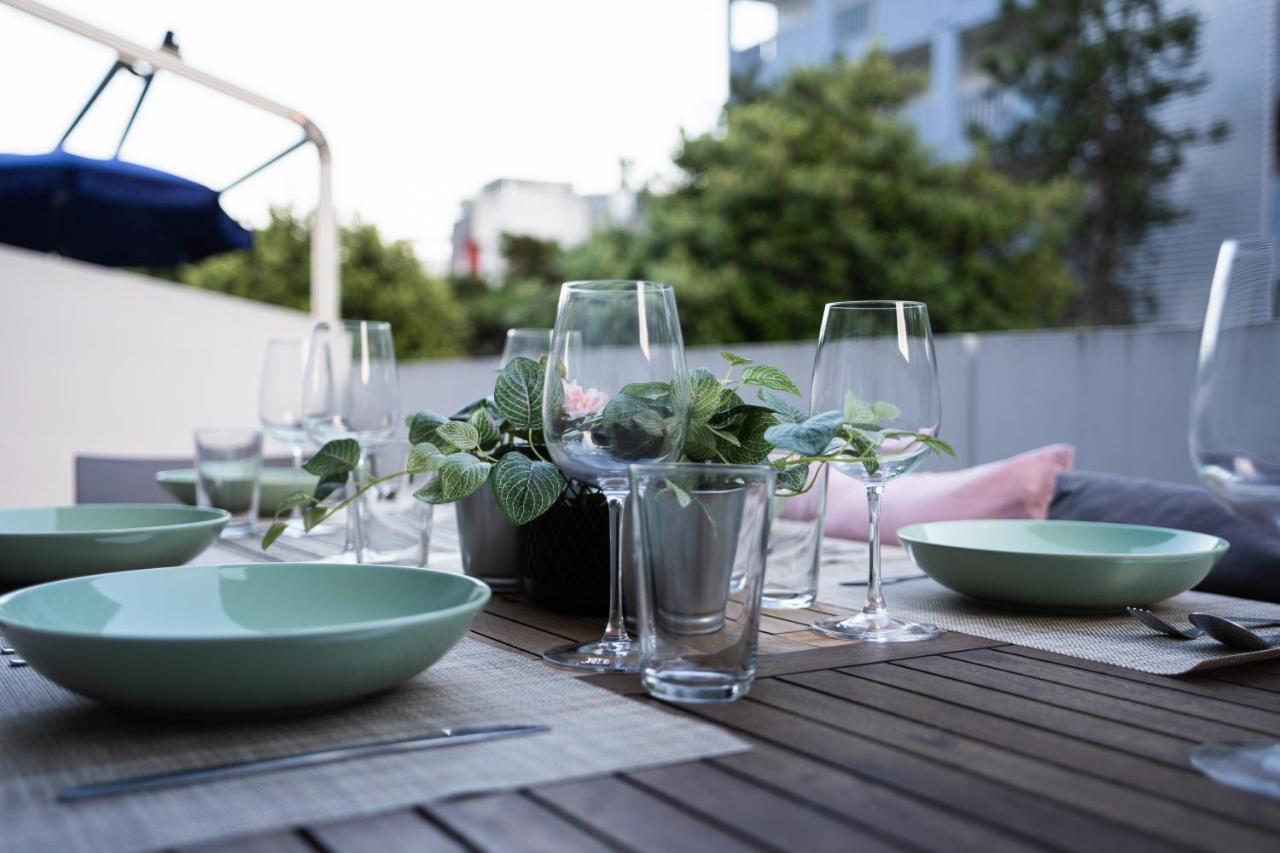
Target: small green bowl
[236, 640]
[1062, 565]
[274, 485]
[52, 543]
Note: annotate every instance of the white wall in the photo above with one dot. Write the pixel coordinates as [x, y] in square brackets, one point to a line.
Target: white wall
[101, 361]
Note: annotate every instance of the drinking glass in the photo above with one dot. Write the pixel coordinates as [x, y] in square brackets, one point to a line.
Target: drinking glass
[1235, 441]
[879, 352]
[228, 467]
[280, 407]
[616, 392]
[703, 532]
[395, 524]
[795, 548]
[530, 343]
[351, 390]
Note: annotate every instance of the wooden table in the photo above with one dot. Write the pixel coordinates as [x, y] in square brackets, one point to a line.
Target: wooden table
[952, 744]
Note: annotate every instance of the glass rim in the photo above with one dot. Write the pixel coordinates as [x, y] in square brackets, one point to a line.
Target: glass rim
[875, 305]
[517, 330]
[616, 285]
[353, 324]
[638, 468]
[227, 429]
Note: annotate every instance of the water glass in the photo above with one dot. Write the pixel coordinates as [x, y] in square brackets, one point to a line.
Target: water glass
[795, 548]
[228, 467]
[702, 534]
[396, 525]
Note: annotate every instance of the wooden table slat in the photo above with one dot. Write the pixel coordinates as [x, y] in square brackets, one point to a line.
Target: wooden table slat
[403, 831]
[513, 821]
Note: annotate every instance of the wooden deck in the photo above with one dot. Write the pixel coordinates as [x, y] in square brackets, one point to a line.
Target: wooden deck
[956, 744]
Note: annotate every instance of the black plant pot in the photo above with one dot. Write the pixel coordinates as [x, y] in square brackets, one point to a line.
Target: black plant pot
[565, 558]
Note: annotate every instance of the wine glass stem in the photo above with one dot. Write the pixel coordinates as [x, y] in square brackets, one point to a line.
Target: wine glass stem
[875, 600]
[295, 514]
[616, 629]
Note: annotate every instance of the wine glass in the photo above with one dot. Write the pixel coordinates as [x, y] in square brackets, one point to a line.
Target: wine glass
[530, 343]
[871, 354]
[280, 406]
[616, 392]
[1235, 440]
[351, 390]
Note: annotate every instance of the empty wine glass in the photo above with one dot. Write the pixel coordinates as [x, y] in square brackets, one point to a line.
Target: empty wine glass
[877, 358]
[1235, 442]
[280, 407]
[529, 343]
[351, 390]
[616, 392]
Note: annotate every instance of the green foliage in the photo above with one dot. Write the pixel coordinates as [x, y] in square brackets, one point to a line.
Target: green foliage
[525, 488]
[518, 393]
[380, 281]
[1095, 75]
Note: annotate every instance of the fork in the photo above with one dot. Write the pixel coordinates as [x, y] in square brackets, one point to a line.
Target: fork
[1157, 623]
[12, 654]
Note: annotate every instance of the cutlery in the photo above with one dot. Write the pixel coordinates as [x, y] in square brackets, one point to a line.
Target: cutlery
[438, 738]
[14, 661]
[1156, 623]
[1231, 632]
[884, 581]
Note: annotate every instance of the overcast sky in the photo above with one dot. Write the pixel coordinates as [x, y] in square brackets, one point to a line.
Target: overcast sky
[422, 102]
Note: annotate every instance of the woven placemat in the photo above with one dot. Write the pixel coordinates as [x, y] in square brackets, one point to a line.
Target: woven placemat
[1114, 638]
[50, 739]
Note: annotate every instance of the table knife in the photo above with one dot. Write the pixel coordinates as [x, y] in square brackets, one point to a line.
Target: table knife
[438, 738]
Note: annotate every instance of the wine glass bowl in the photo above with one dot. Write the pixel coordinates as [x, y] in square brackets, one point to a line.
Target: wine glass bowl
[351, 387]
[876, 365]
[616, 392]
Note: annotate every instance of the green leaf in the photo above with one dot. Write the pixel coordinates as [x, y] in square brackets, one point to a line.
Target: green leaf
[312, 517]
[460, 475]
[488, 431]
[647, 390]
[291, 500]
[752, 447]
[460, 434]
[518, 393]
[808, 438]
[725, 435]
[424, 457]
[884, 411]
[273, 533]
[786, 412]
[524, 488]
[734, 360]
[707, 391]
[682, 497]
[793, 477]
[857, 410]
[635, 428]
[339, 456]
[422, 426]
[768, 376]
[329, 484]
[700, 442]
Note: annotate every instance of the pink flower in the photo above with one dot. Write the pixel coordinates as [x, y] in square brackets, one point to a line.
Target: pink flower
[579, 403]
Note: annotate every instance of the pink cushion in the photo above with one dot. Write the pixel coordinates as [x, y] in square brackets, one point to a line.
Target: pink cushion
[1018, 487]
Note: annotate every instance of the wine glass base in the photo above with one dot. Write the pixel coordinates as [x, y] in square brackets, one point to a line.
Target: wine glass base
[875, 628]
[1249, 766]
[597, 656]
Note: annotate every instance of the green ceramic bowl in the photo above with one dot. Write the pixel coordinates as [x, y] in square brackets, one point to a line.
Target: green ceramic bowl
[1062, 565]
[273, 486]
[264, 638]
[53, 543]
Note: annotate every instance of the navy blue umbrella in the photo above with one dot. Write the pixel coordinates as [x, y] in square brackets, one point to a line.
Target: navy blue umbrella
[111, 212]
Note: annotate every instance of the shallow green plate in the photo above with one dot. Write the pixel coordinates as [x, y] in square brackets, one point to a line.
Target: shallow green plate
[270, 637]
[52, 543]
[1066, 565]
[274, 485]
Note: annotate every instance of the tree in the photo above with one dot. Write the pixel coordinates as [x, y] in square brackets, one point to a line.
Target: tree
[815, 192]
[1093, 75]
[380, 281]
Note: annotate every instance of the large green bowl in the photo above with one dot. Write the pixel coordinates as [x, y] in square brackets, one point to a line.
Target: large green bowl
[269, 637]
[53, 543]
[1062, 565]
[274, 485]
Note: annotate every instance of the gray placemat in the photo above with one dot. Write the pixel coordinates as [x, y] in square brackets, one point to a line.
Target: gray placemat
[50, 739]
[1114, 638]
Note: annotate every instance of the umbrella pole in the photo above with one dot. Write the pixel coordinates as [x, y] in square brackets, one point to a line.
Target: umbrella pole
[325, 283]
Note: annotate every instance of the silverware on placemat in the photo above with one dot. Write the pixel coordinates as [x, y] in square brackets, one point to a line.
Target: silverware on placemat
[437, 738]
[11, 655]
[884, 581]
[1228, 630]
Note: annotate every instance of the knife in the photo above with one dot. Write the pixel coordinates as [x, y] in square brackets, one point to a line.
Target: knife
[438, 738]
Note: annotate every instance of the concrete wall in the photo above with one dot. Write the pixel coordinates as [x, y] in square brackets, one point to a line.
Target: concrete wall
[101, 361]
[1121, 396]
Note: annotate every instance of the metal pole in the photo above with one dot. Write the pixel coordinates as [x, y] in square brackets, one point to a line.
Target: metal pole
[325, 294]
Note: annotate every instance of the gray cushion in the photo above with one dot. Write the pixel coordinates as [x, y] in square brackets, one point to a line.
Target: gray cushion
[1251, 567]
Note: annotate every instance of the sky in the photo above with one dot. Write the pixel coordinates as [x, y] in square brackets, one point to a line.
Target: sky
[422, 102]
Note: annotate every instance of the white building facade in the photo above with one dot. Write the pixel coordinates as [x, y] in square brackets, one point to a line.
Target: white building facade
[1229, 190]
